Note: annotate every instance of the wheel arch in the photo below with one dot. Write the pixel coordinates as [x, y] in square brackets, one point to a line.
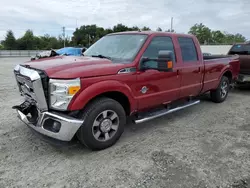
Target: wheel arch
[117, 96]
[111, 89]
[228, 73]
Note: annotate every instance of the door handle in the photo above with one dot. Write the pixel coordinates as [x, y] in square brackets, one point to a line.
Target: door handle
[177, 72]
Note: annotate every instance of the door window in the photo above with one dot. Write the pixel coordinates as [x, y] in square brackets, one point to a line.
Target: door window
[157, 44]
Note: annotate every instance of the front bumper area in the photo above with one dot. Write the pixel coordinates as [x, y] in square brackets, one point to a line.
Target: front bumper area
[243, 78]
[66, 131]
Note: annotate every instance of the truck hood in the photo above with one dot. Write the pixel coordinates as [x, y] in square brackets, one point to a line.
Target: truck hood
[74, 67]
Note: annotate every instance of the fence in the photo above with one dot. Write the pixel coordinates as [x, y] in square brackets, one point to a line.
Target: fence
[18, 53]
[213, 49]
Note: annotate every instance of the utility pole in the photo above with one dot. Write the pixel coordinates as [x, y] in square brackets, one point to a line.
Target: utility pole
[63, 36]
[171, 30]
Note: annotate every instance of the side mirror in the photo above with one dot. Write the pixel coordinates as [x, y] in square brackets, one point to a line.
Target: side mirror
[164, 62]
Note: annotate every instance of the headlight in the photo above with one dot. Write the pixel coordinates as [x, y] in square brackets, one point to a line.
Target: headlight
[62, 91]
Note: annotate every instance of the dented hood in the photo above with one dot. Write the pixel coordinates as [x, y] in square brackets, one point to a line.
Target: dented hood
[74, 67]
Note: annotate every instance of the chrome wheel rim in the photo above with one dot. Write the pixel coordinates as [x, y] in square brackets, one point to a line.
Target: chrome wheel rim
[224, 89]
[105, 125]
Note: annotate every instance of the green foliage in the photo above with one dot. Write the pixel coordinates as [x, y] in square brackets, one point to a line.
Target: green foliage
[158, 29]
[86, 35]
[120, 28]
[202, 33]
[28, 41]
[10, 41]
[169, 30]
[145, 28]
[207, 36]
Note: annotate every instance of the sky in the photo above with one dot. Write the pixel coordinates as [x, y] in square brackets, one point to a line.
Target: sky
[49, 16]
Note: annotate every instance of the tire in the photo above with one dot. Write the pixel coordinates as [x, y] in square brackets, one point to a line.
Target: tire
[98, 122]
[220, 94]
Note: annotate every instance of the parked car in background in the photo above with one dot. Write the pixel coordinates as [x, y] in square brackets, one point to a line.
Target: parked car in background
[68, 51]
[140, 74]
[71, 51]
[243, 50]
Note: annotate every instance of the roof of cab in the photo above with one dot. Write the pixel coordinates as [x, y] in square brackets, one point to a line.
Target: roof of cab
[151, 33]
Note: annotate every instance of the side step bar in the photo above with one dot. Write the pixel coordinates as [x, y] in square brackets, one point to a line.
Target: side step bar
[164, 112]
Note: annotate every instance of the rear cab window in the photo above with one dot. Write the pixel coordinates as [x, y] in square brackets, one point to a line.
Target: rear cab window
[188, 49]
[240, 49]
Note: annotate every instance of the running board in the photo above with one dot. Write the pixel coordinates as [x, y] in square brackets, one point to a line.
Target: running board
[165, 112]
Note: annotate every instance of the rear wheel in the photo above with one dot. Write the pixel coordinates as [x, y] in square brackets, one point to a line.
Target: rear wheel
[220, 94]
[104, 121]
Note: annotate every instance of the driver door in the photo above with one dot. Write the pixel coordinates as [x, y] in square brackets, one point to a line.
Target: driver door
[154, 87]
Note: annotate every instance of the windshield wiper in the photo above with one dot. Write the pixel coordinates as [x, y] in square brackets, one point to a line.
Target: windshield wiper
[101, 56]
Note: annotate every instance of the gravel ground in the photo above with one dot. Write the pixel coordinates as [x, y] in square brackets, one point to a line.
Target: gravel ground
[207, 145]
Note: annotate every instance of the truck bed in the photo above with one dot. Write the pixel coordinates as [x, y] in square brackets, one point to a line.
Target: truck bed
[212, 57]
[214, 65]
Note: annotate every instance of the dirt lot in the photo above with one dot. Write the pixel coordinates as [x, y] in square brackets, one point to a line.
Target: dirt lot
[207, 145]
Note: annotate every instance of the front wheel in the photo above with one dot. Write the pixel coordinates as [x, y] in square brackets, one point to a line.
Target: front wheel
[220, 94]
[104, 121]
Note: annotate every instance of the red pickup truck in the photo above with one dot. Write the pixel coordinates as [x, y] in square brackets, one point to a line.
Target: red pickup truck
[140, 74]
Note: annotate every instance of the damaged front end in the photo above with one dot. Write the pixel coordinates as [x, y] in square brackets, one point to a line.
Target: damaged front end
[34, 110]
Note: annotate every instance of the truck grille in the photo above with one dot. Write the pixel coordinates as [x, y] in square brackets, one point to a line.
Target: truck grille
[33, 85]
[45, 82]
[25, 86]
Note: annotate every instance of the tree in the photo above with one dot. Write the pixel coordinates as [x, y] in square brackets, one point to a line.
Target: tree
[202, 32]
[217, 37]
[145, 28]
[86, 35]
[134, 28]
[10, 41]
[158, 29]
[108, 31]
[169, 30]
[235, 38]
[207, 36]
[27, 42]
[120, 28]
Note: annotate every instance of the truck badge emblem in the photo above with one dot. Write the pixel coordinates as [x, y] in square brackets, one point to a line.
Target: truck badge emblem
[144, 89]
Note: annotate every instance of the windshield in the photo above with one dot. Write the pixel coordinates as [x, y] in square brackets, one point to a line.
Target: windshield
[241, 49]
[117, 47]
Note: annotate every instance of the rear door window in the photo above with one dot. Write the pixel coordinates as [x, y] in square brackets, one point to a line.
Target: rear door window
[188, 49]
[240, 49]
